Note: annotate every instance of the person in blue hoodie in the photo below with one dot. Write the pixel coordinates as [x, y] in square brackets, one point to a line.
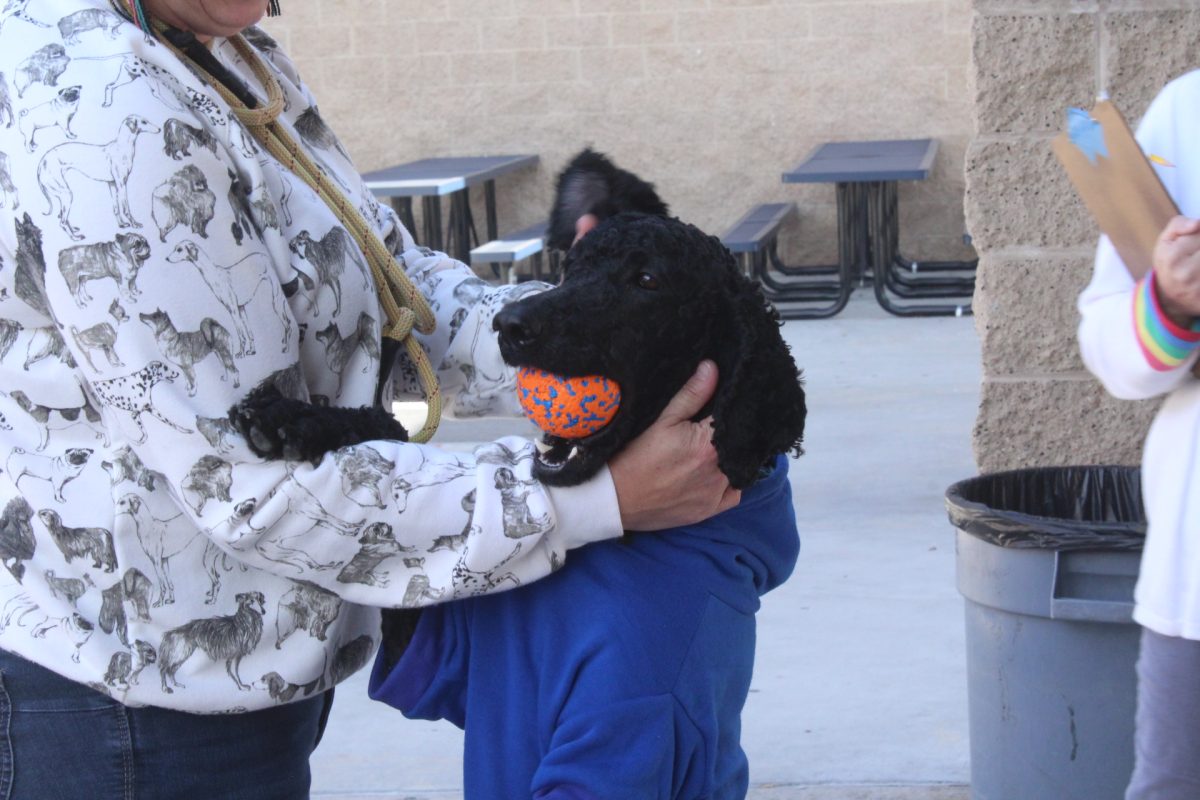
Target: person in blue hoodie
[623, 676]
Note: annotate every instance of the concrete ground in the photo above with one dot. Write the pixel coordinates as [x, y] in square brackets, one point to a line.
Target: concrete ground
[859, 690]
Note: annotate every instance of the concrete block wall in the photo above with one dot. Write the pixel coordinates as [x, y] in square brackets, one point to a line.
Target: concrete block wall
[710, 99]
[1030, 61]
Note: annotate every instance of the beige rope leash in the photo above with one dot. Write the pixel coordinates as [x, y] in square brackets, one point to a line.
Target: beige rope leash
[405, 307]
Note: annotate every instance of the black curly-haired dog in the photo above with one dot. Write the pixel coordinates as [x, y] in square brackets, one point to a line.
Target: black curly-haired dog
[643, 299]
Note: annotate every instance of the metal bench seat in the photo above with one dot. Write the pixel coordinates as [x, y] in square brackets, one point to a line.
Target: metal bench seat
[755, 231]
[508, 250]
[753, 240]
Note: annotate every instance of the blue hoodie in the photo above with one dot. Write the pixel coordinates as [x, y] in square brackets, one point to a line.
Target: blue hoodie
[623, 675]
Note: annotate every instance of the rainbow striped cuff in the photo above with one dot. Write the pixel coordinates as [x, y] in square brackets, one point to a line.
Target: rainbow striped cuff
[1164, 344]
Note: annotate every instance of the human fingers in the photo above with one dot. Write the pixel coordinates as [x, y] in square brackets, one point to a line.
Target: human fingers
[698, 390]
[585, 224]
[1177, 277]
[670, 479]
[1180, 225]
[1178, 254]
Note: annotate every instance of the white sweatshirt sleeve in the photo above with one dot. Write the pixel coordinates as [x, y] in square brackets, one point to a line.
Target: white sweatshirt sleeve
[1125, 339]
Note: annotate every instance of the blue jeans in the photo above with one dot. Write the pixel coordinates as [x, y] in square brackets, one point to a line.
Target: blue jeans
[60, 740]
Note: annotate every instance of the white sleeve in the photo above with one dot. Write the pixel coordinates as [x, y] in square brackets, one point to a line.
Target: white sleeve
[1117, 332]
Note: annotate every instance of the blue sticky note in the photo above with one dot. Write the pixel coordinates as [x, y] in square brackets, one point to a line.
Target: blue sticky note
[1086, 134]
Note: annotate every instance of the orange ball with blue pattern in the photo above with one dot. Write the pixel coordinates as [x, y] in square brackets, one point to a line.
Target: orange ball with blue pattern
[570, 408]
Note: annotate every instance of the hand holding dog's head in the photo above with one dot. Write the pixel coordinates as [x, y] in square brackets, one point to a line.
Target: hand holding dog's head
[643, 300]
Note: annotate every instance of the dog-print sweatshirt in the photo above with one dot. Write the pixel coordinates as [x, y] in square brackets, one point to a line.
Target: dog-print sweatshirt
[156, 264]
[623, 676]
[1138, 352]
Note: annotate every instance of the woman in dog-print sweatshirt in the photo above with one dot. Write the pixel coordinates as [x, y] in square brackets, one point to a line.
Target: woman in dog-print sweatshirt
[156, 263]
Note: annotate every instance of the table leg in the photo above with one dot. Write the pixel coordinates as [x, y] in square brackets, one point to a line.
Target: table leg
[883, 225]
[908, 284]
[854, 244]
[892, 204]
[403, 208]
[459, 230]
[837, 294]
[489, 201]
[902, 277]
[431, 213]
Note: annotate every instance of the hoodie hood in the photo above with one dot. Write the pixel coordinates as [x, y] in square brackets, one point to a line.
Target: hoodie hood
[759, 534]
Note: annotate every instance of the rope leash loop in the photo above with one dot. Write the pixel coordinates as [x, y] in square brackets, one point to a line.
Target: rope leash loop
[403, 305]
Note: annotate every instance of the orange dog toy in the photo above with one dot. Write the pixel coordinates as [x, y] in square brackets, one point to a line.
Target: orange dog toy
[571, 408]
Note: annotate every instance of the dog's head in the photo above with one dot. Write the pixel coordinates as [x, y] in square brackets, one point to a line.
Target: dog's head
[145, 652]
[245, 509]
[300, 243]
[592, 184]
[158, 371]
[377, 533]
[135, 247]
[255, 601]
[137, 125]
[274, 683]
[129, 504]
[191, 179]
[642, 301]
[184, 251]
[154, 319]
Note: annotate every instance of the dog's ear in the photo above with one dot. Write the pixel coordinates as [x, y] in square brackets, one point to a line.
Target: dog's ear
[592, 184]
[759, 408]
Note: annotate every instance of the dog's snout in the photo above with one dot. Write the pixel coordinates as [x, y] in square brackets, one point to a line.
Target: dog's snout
[516, 326]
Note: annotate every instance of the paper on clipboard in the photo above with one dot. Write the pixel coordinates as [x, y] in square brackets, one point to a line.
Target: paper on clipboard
[1116, 181]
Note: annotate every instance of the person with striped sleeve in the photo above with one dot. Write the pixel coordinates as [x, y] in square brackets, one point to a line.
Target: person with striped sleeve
[1141, 339]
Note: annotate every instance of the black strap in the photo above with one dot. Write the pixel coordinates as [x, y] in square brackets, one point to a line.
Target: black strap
[194, 49]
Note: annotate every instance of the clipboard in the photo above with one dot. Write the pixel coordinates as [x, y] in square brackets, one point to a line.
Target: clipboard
[1116, 181]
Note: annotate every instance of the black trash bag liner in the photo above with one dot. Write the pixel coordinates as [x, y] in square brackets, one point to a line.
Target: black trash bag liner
[1053, 508]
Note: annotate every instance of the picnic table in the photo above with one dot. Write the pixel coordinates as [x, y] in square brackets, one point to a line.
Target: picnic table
[431, 179]
[866, 174]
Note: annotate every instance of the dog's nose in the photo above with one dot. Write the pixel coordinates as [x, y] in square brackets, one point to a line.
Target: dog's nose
[516, 326]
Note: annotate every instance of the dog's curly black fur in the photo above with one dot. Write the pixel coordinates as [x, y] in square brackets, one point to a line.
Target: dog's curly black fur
[642, 301]
[592, 184]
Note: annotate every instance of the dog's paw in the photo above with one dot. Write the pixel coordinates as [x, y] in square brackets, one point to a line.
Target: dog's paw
[258, 419]
[264, 442]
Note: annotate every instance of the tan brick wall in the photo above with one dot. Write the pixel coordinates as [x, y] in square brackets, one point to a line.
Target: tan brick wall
[710, 99]
[1030, 61]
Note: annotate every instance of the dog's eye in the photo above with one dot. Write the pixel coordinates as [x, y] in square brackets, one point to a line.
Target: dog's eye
[645, 280]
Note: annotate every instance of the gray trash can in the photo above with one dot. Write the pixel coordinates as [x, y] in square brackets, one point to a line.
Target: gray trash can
[1047, 560]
